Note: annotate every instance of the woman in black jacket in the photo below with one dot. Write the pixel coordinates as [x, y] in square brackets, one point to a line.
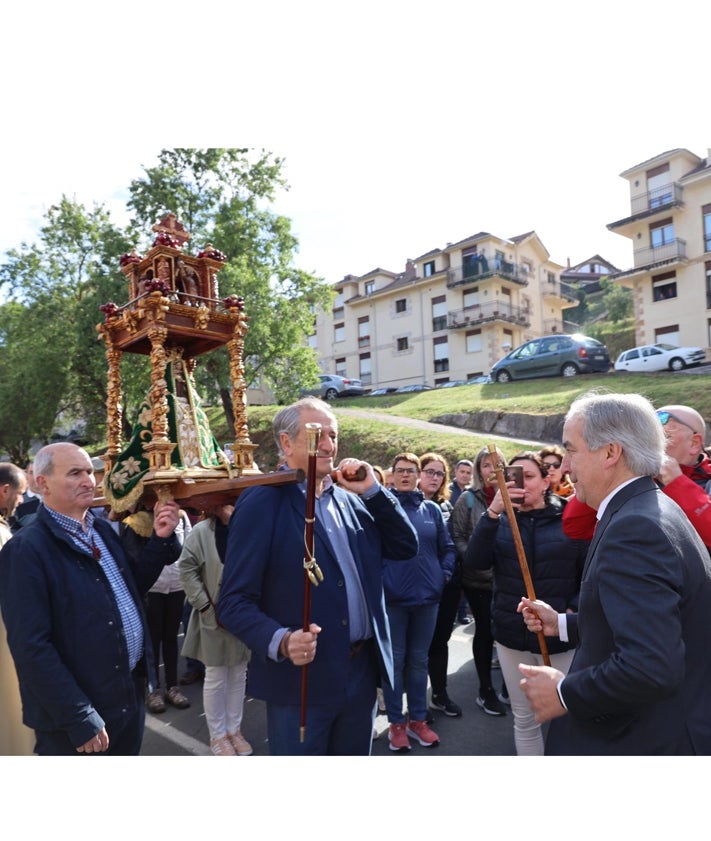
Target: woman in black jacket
[555, 563]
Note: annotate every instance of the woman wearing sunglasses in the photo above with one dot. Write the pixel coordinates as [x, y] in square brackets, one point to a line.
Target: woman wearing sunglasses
[553, 461]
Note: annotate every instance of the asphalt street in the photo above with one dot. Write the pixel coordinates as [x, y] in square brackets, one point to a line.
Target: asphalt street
[184, 732]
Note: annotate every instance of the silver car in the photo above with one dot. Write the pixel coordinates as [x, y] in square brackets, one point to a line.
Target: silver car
[331, 386]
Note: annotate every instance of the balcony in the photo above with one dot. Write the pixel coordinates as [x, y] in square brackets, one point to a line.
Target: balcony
[646, 259]
[660, 200]
[559, 290]
[492, 311]
[483, 270]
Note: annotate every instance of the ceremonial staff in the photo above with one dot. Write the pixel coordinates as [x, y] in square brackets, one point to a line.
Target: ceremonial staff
[511, 514]
[312, 572]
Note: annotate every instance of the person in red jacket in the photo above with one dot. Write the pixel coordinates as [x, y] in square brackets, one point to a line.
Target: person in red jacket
[685, 475]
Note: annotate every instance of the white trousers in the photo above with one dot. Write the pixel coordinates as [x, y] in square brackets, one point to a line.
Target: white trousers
[223, 698]
[528, 736]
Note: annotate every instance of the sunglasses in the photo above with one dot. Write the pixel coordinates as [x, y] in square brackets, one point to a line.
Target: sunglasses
[552, 465]
[665, 417]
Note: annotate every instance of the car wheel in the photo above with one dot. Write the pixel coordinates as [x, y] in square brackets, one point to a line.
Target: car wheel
[677, 364]
[330, 394]
[569, 370]
[503, 377]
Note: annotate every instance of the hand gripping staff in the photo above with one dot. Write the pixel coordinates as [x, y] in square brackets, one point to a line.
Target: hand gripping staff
[511, 514]
[312, 572]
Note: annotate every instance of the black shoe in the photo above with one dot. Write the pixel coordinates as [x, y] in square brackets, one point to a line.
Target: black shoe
[445, 705]
[490, 703]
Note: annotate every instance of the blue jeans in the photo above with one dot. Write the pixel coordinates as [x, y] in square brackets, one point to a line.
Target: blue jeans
[411, 630]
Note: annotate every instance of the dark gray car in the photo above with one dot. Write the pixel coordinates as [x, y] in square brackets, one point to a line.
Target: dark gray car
[559, 355]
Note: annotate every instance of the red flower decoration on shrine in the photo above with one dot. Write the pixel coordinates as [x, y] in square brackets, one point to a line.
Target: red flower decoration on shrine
[213, 254]
[110, 309]
[156, 285]
[166, 239]
[125, 259]
[233, 302]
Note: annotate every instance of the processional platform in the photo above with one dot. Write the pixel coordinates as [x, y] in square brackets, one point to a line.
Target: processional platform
[174, 315]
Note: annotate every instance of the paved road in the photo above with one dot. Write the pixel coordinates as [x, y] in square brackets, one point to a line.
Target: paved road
[184, 732]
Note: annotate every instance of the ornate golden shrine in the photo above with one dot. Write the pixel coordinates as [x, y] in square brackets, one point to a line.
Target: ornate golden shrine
[174, 315]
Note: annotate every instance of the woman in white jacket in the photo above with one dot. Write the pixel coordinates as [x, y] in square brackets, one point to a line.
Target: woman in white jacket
[225, 657]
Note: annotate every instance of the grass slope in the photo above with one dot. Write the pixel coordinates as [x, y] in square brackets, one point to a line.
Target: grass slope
[378, 442]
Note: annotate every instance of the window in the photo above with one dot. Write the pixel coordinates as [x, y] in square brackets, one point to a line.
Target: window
[439, 313]
[429, 268]
[473, 341]
[402, 344]
[401, 305]
[662, 233]
[669, 334]
[440, 347]
[365, 370]
[470, 298]
[364, 331]
[339, 333]
[706, 210]
[369, 287]
[708, 285]
[659, 186]
[313, 341]
[664, 286]
[338, 301]
[341, 367]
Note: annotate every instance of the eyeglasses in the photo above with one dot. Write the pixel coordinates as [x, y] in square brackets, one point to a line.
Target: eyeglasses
[433, 473]
[552, 465]
[665, 417]
[405, 470]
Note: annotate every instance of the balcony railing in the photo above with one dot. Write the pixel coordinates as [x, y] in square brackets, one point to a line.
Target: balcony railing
[491, 311]
[670, 252]
[485, 269]
[661, 198]
[559, 290]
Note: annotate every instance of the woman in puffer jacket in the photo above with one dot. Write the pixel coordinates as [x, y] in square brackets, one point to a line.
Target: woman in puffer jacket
[555, 563]
[412, 595]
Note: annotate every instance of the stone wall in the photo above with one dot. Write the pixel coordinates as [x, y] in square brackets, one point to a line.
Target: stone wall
[546, 428]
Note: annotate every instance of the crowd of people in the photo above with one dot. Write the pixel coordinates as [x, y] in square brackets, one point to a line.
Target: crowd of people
[588, 585]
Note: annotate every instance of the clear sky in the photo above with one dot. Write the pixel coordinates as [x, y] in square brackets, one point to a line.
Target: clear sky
[403, 126]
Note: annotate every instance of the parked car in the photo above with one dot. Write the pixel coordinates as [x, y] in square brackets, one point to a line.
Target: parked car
[451, 384]
[378, 392]
[551, 356]
[659, 357]
[480, 380]
[331, 385]
[415, 387]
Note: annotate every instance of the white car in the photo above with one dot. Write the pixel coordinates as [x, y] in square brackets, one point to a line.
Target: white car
[659, 357]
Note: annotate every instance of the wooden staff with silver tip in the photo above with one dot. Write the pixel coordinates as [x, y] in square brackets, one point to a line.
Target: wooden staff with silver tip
[312, 572]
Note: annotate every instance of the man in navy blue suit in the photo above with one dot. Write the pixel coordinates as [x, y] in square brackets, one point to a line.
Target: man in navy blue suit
[640, 680]
[347, 648]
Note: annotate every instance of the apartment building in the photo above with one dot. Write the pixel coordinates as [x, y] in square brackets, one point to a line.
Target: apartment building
[670, 228]
[450, 315]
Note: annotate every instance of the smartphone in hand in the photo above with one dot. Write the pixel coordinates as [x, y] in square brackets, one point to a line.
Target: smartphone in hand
[514, 473]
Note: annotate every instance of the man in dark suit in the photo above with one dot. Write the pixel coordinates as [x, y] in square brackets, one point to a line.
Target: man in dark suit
[347, 648]
[640, 681]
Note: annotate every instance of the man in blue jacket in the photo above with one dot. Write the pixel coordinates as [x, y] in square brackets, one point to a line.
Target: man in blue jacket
[72, 605]
[347, 648]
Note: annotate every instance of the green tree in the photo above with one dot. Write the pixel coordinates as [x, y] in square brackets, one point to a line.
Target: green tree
[62, 280]
[617, 300]
[34, 375]
[222, 197]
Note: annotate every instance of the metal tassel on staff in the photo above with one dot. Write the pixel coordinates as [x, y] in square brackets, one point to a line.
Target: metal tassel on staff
[511, 514]
[312, 572]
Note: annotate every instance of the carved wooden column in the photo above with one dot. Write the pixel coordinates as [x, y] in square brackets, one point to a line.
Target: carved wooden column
[160, 447]
[243, 448]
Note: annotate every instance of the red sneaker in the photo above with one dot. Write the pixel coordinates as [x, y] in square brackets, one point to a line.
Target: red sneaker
[424, 734]
[398, 737]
